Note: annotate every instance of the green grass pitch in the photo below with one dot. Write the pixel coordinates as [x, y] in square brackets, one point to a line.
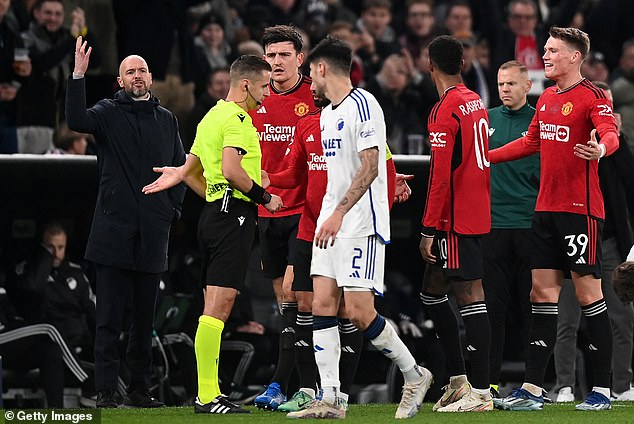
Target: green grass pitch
[621, 413]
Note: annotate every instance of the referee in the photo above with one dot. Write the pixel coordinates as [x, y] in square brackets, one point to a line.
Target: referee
[224, 168]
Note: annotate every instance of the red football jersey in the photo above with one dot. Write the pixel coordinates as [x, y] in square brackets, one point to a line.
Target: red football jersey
[564, 118]
[275, 122]
[305, 167]
[458, 192]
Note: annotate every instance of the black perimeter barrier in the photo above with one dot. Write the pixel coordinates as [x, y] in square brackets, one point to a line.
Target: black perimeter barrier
[35, 189]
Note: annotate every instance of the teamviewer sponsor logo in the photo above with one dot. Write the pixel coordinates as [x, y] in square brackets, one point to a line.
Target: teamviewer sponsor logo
[554, 132]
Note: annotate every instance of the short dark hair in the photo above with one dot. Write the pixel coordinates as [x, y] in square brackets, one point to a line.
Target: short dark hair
[283, 33]
[64, 137]
[573, 37]
[623, 280]
[38, 3]
[248, 66]
[213, 73]
[52, 228]
[376, 4]
[335, 52]
[445, 52]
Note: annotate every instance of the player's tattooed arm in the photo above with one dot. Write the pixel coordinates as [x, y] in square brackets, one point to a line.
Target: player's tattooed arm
[366, 173]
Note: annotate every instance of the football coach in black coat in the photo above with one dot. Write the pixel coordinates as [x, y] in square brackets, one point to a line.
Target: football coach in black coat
[129, 234]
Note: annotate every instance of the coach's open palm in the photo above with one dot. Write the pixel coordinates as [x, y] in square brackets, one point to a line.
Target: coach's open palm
[82, 56]
[170, 176]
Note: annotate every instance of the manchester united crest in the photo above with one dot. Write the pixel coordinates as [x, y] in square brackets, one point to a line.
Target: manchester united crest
[566, 109]
[301, 109]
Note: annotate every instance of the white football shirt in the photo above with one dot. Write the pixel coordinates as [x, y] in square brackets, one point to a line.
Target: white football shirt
[356, 124]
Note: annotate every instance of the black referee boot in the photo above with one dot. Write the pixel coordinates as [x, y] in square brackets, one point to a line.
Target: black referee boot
[220, 405]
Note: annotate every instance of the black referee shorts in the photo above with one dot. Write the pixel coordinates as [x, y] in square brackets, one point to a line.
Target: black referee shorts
[226, 240]
[300, 257]
[568, 242]
[278, 236]
[459, 256]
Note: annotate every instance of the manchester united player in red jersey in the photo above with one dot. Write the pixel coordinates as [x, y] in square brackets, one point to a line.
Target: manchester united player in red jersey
[275, 121]
[457, 215]
[568, 220]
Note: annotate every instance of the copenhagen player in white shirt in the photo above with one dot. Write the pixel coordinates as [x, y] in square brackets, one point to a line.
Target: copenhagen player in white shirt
[352, 230]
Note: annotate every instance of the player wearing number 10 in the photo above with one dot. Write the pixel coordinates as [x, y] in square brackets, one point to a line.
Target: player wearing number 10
[457, 216]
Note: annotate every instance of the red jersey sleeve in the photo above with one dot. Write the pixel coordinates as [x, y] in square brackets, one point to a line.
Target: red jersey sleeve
[294, 173]
[442, 137]
[603, 120]
[391, 181]
[519, 148]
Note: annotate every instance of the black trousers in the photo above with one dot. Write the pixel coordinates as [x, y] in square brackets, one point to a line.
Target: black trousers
[117, 288]
[38, 351]
[507, 277]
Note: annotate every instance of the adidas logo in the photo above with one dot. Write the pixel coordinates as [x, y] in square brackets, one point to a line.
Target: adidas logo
[301, 343]
[543, 108]
[241, 220]
[592, 347]
[539, 343]
[355, 274]
[581, 260]
[288, 330]
[310, 138]
[471, 348]
[261, 110]
[347, 349]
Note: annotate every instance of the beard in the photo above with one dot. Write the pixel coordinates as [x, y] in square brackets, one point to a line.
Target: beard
[138, 92]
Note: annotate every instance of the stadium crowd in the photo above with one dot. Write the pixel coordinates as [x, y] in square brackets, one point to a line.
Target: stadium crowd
[189, 47]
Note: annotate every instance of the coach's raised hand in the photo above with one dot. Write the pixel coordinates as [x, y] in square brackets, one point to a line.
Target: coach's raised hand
[82, 57]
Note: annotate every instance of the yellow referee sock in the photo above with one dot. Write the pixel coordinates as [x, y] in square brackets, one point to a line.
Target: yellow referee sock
[207, 346]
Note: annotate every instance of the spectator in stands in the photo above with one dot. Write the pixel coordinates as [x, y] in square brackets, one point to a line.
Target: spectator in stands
[27, 346]
[459, 18]
[616, 176]
[40, 100]
[14, 66]
[217, 88]
[212, 50]
[608, 24]
[164, 39]
[475, 77]
[69, 142]
[594, 67]
[422, 82]
[419, 26]
[401, 104]
[285, 12]
[345, 32]
[50, 288]
[379, 38]
[623, 91]
[129, 234]
[523, 37]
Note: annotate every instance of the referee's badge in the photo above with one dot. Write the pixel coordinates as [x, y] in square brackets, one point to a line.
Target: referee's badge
[566, 109]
